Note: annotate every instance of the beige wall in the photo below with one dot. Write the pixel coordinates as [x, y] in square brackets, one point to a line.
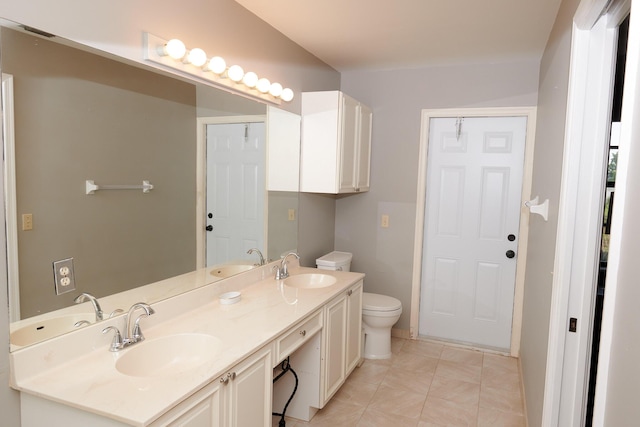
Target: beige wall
[219, 26]
[547, 171]
[397, 98]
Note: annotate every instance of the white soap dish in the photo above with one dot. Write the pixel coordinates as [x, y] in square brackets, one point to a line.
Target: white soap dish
[230, 298]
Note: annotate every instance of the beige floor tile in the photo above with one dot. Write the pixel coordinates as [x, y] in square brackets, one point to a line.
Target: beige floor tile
[492, 418]
[337, 413]
[373, 418]
[459, 371]
[456, 391]
[415, 363]
[423, 348]
[390, 400]
[502, 363]
[397, 344]
[439, 412]
[497, 378]
[455, 354]
[408, 381]
[501, 399]
[371, 371]
[359, 393]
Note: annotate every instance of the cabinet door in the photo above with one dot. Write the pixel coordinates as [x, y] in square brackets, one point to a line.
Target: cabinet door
[354, 327]
[348, 144]
[335, 339]
[363, 166]
[250, 392]
[203, 409]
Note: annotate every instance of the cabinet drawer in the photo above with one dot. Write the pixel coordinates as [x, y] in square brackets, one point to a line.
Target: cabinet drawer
[298, 335]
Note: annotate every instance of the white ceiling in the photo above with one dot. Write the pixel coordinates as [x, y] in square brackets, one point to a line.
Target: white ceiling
[391, 34]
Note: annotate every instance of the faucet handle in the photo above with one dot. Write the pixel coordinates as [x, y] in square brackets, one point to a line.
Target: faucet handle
[117, 342]
[136, 335]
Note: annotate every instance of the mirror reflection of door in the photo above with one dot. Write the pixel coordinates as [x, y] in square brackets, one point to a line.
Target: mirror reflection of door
[235, 190]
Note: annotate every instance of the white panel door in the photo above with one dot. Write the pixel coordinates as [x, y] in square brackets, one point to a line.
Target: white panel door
[235, 190]
[472, 216]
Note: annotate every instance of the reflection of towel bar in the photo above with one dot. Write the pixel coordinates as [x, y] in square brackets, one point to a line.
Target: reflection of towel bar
[92, 187]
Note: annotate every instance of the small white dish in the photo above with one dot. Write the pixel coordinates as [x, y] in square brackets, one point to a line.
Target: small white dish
[230, 298]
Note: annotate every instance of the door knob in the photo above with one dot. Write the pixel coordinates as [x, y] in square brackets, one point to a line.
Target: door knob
[511, 237]
[510, 254]
[209, 227]
[210, 215]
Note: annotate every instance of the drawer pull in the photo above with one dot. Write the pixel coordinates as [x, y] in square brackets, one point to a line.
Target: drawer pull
[349, 292]
[303, 332]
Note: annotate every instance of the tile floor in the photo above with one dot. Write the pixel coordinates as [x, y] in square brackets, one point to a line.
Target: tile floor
[425, 384]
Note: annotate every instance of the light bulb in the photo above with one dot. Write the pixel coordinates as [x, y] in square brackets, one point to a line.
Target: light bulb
[275, 89]
[197, 57]
[287, 94]
[174, 49]
[250, 79]
[263, 85]
[217, 65]
[235, 73]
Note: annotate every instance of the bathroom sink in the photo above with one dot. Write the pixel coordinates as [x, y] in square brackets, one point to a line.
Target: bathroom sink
[230, 270]
[310, 280]
[168, 355]
[48, 328]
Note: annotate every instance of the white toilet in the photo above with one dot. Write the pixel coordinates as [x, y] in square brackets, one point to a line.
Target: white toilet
[379, 314]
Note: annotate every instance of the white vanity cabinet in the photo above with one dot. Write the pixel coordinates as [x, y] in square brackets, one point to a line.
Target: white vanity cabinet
[241, 397]
[336, 143]
[342, 339]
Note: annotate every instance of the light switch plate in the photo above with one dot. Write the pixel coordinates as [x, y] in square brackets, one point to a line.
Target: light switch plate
[63, 276]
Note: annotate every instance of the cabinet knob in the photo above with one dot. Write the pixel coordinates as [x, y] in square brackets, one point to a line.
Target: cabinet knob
[224, 380]
[303, 332]
[349, 292]
[232, 375]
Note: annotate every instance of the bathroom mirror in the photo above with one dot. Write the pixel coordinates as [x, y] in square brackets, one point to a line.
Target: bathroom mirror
[79, 116]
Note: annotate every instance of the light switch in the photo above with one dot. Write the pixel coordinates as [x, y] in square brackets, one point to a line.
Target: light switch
[27, 222]
[292, 214]
[384, 222]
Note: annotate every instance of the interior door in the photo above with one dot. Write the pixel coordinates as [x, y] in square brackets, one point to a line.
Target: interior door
[235, 190]
[472, 216]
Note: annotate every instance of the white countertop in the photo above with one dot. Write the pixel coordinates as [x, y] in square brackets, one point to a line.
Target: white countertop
[77, 369]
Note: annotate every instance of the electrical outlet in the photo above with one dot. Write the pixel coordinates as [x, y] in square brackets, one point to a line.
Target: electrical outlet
[63, 276]
[292, 214]
[384, 222]
[27, 222]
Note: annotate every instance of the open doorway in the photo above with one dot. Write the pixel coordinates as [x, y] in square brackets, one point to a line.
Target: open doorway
[607, 211]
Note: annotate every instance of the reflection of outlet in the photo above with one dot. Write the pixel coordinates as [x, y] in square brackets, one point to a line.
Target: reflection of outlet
[63, 276]
[292, 214]
[384, 222]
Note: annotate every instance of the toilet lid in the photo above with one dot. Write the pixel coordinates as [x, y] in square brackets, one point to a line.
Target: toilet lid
[379, 302]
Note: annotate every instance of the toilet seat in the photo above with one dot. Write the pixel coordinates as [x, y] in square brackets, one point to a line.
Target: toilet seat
[379, 303]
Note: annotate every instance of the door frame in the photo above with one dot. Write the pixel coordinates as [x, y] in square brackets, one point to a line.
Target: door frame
[201, 178]
[592, 66]
[527, 173]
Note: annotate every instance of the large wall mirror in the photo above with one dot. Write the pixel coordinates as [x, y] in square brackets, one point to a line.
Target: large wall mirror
[72, 115]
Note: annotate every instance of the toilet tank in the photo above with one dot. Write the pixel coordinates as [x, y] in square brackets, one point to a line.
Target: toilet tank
[340, 261]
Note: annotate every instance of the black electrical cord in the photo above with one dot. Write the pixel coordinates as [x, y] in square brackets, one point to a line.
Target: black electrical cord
[286, 367]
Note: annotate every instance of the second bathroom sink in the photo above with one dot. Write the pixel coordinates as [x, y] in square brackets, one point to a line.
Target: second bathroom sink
[310, 280]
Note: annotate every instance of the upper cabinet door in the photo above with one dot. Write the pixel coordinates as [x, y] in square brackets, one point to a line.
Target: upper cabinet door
[336, 143]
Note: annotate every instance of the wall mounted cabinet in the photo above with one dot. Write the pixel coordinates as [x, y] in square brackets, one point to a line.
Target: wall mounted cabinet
[335, 143]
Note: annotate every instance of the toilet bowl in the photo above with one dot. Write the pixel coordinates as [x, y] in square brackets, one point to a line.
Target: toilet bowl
[379, 314]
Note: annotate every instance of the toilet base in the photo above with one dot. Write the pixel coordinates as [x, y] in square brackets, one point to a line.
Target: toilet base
[377, 343]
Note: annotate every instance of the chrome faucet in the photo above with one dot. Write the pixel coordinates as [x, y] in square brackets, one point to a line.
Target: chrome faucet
[96, 306]
[252, 250]
[130, 336]
[282, 272]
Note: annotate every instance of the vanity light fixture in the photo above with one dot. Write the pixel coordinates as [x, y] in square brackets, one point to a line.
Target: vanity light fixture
[263, 85]
[216, 65]
[235, 73]
[250, 79]
[197, 57]
[175, 55]
[174, 49]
